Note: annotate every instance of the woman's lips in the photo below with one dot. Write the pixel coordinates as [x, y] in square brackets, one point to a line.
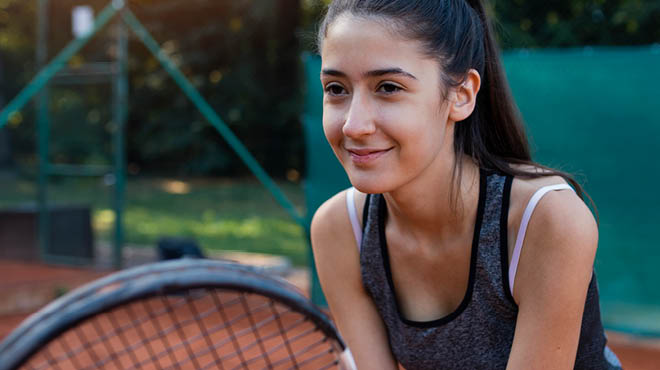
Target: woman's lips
[365, 156]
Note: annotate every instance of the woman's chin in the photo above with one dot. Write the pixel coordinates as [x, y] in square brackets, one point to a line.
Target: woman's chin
[370, 185]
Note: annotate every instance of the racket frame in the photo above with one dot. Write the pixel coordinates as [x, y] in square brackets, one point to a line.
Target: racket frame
[147, 281]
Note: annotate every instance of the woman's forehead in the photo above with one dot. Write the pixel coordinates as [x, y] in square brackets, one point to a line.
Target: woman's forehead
[356, 45]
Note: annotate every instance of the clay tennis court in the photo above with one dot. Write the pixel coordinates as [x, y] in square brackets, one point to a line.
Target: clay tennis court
[199, 334]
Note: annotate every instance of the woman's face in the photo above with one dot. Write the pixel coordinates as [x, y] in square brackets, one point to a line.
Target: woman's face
[383, 112]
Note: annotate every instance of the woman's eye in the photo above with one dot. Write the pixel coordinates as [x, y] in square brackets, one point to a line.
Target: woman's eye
[334, 89]
[389, 88]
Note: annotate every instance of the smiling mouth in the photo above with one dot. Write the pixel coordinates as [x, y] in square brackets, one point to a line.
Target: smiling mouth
[365, 156]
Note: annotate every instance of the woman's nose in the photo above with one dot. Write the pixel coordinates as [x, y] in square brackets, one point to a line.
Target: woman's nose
[359, 118]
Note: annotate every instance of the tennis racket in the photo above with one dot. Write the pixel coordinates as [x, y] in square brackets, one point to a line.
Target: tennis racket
[184, 314]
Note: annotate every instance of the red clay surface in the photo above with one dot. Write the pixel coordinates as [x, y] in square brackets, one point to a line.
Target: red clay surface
[634, 353]
[26, 287]
[16, 273]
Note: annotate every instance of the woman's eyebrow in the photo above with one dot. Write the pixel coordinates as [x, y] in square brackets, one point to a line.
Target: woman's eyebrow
[374, 73]
[389, 71]
[332, 72]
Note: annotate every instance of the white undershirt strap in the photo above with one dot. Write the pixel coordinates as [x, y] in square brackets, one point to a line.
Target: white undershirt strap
[515, 257]
[352, 215]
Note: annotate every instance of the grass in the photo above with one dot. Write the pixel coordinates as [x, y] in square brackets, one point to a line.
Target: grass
[221, 214]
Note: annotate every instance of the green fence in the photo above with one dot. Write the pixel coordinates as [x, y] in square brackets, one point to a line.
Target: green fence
[592, 112]
[37, 84]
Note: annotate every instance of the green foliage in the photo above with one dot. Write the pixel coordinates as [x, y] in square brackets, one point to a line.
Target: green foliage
[220, 215]
[558, 23]
[543, 24]
[242, 55]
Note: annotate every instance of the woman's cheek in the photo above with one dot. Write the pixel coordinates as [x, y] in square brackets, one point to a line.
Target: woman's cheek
[332, 128]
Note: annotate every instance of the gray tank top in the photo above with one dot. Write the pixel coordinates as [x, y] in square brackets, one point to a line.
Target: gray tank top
[479, 333]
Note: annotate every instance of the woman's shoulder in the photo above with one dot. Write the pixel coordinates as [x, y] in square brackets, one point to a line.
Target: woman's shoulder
[561, 225]
[553, 202]
[331, 221]
[335, 249]
[560, 218]
[559, 244]
[333, 213]
[525, 184]
[522, 190]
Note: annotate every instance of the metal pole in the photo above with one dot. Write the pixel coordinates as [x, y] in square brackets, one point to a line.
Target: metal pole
[210, 114]
[43, 133]
[119, 147]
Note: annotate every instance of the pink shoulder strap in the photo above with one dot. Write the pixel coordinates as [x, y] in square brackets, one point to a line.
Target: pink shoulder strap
[352, 215]
[515, 257]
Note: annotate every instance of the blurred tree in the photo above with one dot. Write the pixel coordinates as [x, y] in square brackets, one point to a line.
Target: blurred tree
[5, 147]
[17, 34]
[561, 23]
[557, 23]
[243, 55]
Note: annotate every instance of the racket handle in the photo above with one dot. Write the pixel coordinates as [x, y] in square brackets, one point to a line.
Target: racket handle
[346, 361]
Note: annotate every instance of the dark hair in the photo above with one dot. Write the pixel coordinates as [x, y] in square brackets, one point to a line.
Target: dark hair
[459, 34]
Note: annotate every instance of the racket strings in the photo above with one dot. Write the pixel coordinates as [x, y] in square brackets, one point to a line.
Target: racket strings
[275, 335]
[179, 330]
[229, 339]
[160, 332]
[50, 361]
[67, 349]
[255, 330]
[274, 349]
[120, 333]
[232, 336]
[284, 334]
[163, 333]
[315, 357]
[72, 354]
[265, 338]
[205, 333]
[117, 329]
[150, 350]
[311, 348]
[200, 329]
[226, 325]
[113, 356]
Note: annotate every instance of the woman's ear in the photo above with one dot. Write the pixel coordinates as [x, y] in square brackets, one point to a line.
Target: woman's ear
[465, 97]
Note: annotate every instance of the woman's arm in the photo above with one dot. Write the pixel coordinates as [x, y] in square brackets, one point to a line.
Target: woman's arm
[338, 265]
[554, 272]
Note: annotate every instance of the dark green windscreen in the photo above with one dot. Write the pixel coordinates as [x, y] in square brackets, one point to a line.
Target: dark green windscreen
[324, 175]
[593, 112]
[596, 113]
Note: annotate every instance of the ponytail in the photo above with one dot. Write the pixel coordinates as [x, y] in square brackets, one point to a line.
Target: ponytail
[496, 135]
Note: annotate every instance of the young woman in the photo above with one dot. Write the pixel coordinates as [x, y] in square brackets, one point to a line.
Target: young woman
[454, 250]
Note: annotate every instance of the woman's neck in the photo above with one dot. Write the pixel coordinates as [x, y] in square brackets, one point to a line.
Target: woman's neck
[430, 208]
